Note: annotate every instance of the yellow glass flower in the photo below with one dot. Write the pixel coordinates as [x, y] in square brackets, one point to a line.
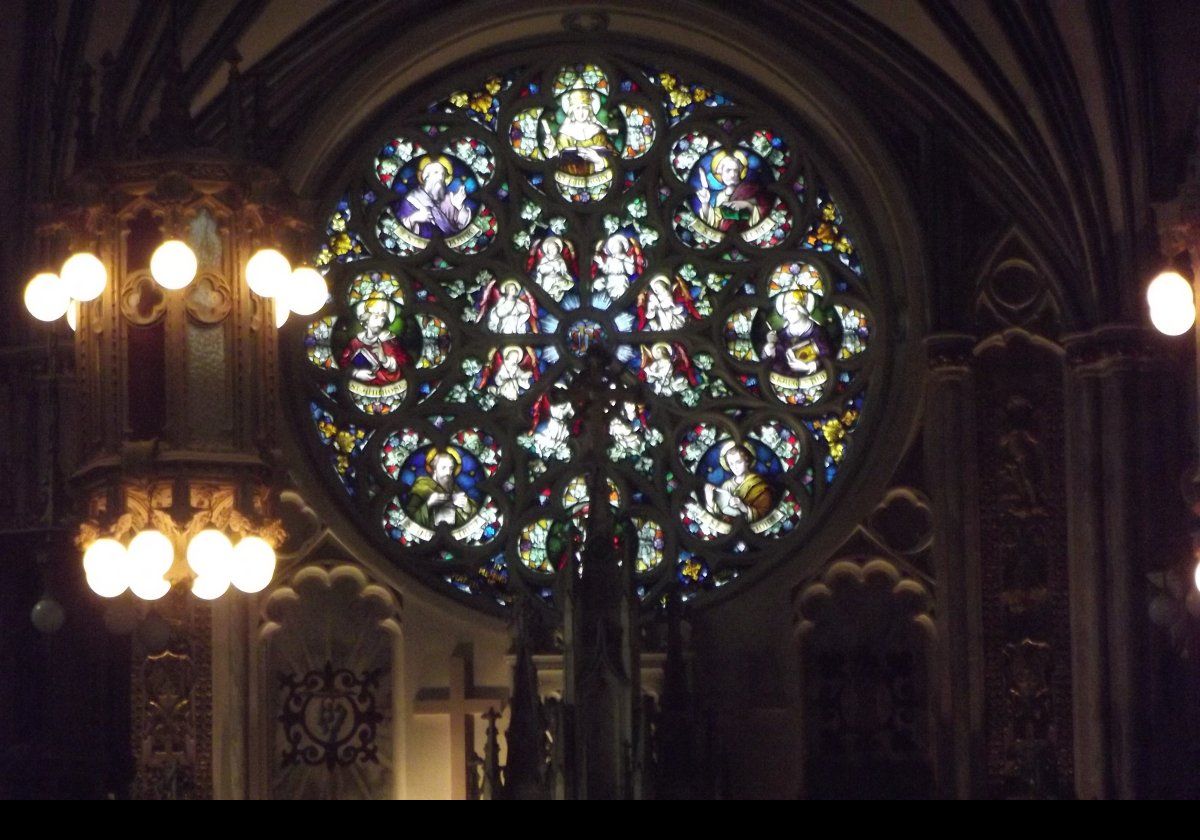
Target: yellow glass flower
[835, 433]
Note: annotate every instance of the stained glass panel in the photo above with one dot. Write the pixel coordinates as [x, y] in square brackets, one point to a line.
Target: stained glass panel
[533, 224]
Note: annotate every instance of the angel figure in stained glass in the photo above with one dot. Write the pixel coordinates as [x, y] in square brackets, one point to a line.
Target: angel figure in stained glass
[665, 306]
[510, 373]
[507, 308]
[667, 369]
[550, 266]
[618, 264]
[550, 431]
[628, 430]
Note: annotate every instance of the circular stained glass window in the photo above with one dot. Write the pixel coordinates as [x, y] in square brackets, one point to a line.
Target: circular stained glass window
[510, 234]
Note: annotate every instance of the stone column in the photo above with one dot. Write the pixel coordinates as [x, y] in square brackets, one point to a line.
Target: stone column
[1117, 497]
[232, 620]
[953, 481]
[1023, 566]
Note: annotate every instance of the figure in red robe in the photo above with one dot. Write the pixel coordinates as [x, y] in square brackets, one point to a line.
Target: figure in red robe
[375, 355]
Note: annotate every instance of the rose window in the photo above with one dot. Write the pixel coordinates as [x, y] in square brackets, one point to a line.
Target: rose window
[508, 234]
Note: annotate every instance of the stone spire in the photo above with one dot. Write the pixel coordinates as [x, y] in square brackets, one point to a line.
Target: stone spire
[603, 645]
[676, 736]
[525, 773]
[172, 130]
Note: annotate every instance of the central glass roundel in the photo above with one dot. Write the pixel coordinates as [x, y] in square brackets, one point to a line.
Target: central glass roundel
[517, 236]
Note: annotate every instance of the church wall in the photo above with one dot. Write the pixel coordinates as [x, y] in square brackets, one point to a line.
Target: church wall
[954, 201]
[431, 642]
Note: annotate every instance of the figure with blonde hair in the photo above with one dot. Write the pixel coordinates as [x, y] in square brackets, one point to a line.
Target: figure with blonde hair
[743, 493]
[796, 345]
[375, 355]
[582, 142]
[739, 201]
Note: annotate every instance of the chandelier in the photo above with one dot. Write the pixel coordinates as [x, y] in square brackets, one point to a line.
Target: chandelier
[171, 272]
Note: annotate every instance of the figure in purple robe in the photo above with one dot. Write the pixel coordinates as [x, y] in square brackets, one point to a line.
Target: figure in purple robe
[431, 207]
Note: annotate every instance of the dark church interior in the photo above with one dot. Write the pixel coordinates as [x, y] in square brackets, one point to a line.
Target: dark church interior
[330, 325]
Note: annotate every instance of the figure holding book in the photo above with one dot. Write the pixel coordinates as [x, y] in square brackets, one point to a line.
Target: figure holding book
[375, 355]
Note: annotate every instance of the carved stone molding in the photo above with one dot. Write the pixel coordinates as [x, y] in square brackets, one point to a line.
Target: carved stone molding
[867, 644]
[947, 352]
[1014, 290]
[209, 299]
[172, 703]
[1114, 344]
[143, 302]
[1023, 572]
[904, 521]
[330, 666]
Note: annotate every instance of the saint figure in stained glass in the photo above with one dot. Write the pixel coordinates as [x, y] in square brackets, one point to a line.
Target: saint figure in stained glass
[431, 204]
[582, 143]
[376, 355]
[743, 492]
[437, 498]
[727, 197]
[581, 279]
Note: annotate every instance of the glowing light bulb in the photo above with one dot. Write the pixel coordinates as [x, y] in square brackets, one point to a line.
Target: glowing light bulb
[46, 297]
[281, 313]
[210, 553]
[267, 272]
[149, 587]
[173, 265]
[106, 565]
[85, 276]
[1196, 576]
[73, 315]
[307, 291]
[150, 554]
[1172, 304]
[253, 564]
[210, 587]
